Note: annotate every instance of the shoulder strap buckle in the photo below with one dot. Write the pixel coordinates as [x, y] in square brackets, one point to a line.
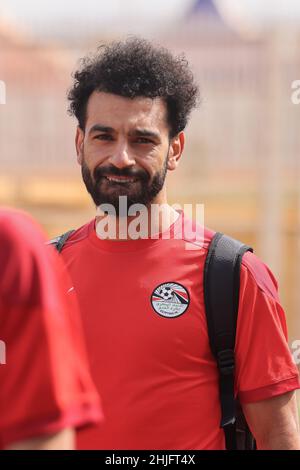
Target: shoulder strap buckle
[226, 362]
[60, 241]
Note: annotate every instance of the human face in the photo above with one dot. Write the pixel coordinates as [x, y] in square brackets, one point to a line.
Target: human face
[125, 149]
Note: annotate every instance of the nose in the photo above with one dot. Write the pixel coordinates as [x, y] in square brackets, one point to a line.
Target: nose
[121, 157]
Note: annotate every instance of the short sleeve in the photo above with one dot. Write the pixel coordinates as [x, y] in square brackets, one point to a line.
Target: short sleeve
[45, 381]
[264, 363]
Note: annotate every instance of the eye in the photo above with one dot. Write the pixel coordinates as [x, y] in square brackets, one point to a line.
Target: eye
[143, 140]
[103, 137]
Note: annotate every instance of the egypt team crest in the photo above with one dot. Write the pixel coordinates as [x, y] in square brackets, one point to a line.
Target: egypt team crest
[170, 299]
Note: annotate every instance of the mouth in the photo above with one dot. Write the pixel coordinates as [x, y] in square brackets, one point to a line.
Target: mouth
[121, 179]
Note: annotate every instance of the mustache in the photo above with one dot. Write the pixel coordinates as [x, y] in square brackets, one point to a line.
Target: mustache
[102, 171]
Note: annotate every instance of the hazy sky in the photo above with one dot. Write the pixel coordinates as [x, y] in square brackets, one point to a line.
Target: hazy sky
[37, 14]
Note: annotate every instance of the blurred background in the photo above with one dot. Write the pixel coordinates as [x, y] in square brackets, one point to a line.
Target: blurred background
[243, 154]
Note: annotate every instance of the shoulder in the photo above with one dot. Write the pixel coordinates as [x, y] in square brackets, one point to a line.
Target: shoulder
[253, 270]
[26, 264]
[256, 273]
[18, 225]
[20, 236]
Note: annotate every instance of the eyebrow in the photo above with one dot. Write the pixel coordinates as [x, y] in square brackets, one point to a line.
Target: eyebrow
[101, 128]
[139, 132]
[145, 133]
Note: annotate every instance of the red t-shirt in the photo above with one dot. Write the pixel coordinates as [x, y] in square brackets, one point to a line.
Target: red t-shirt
[143, 315]
[45, 384]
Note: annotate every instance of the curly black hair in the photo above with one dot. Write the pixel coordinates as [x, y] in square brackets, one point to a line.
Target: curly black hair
[136, 68]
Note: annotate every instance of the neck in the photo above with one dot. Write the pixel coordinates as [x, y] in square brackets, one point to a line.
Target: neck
[146, 223]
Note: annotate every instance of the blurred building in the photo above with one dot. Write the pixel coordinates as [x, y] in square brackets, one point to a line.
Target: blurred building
[32, 123]
[242, 80]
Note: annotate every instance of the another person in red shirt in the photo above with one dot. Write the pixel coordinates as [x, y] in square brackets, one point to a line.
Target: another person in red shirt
[45, 387]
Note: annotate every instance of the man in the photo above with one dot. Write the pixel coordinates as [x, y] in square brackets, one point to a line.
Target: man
[45, 387]
[153, 365]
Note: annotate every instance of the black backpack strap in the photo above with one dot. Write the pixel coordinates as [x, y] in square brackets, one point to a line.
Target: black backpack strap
[60, 241]
[221, 297]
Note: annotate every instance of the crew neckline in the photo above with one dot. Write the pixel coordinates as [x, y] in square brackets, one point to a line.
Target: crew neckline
[132, 245]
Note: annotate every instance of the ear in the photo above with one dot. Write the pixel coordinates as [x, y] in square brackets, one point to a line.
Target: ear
[175, 151]
[79, 138]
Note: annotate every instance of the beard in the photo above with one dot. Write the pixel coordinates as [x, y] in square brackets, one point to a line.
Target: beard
[141, 191]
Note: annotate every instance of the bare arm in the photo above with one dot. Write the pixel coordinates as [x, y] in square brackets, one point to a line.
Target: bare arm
[63, 440]
[274, 422]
